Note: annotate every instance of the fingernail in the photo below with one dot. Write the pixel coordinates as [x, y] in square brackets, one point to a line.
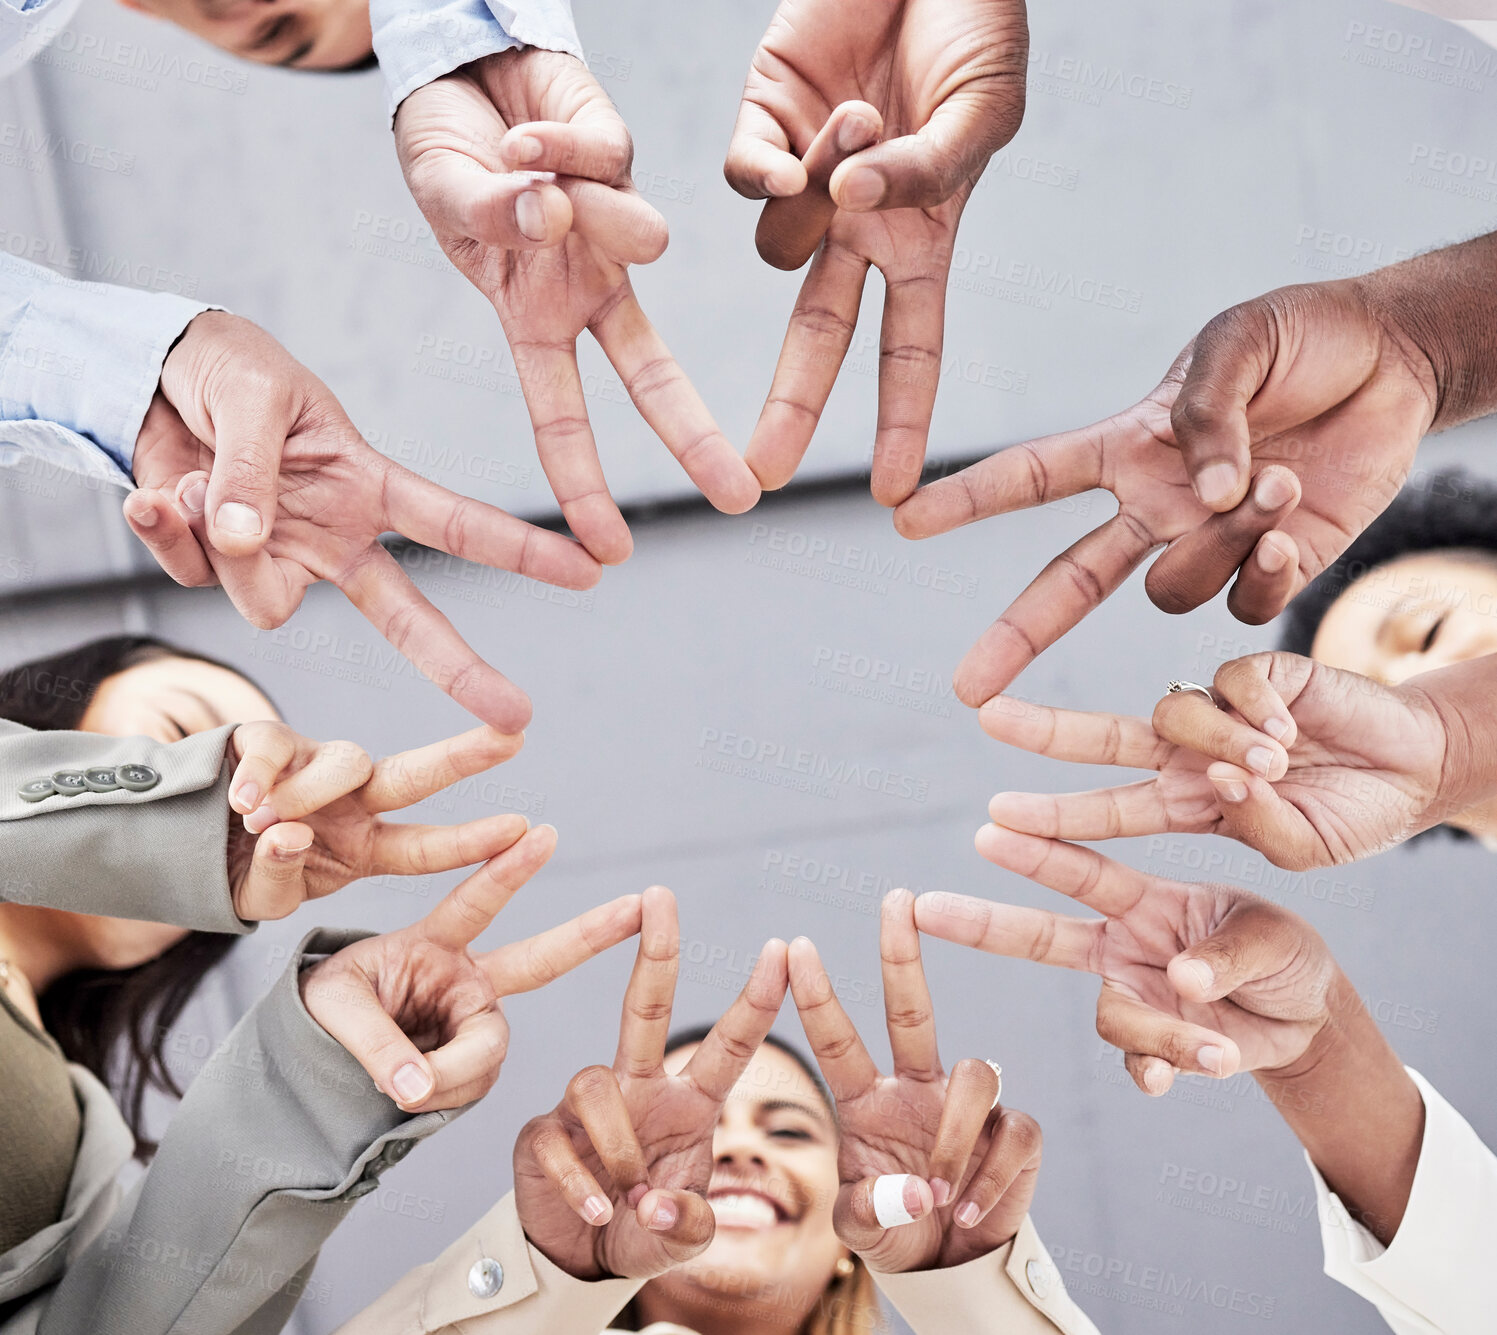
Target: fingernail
[862, 189]
[260, 819]
[411, 1083]
[940, 1188]
[1271, 559]
[1155, 1079]
[966, 1215]
[1259, 758]
[528, 148]
[193, 496]
[247, 796]
[234, 517]
[853, 133]
[282, 851]
[891, 1194]
[145, 516]
[1276, 727]
[1200, 972]
[1210, 1058]
[1230, 790]
[664, 1218]
[1216, 483]
[594, 1209]
[1273, 491]
[530, 213]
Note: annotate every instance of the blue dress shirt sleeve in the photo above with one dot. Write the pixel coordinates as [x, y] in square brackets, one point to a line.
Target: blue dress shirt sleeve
[421, 40]
[28, 25]
[79, 363]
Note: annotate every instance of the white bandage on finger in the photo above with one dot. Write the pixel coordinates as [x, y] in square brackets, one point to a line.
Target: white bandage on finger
[888, 1200]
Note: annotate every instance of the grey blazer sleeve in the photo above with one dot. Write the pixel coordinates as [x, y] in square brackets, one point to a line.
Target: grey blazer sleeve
[279, 1134]
[122, 826]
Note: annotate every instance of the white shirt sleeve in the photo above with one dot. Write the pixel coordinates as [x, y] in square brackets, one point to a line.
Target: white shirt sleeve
[28, 25]
[421, 40]
[1430, 1279]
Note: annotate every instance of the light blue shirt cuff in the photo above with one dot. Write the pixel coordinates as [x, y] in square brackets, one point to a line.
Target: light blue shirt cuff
[26, 26]
[421, 40]
[85, 357]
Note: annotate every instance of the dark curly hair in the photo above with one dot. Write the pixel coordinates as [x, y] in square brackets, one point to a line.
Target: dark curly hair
[1447, 510]
[112, 1021]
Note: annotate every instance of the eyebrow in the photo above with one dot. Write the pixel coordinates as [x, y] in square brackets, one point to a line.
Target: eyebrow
[792, 1105]
[215, 718]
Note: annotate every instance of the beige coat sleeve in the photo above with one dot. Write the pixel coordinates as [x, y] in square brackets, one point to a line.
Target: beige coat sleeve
[1014, 1291]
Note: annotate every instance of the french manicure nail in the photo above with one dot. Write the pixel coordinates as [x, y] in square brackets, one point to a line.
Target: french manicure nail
[194, 495]
[411, 1083]
[1276, 727]
[1259, 758]
[281, 851]
[594, 1209]
[940, 1189]
[966, 1215]
[1210, 1058]
[247, 796]
[1230, 790]
[862, 189]
[244, 520]
[260, 819]
[530, 213]
[1216, 483]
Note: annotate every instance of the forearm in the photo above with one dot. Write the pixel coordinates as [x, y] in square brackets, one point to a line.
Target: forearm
[1356, 1111]
[1446, 303]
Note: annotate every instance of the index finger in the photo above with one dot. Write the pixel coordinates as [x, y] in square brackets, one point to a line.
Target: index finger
[395, 607]
[1105, 886]
[412, 776]
[1076, 582]
[524, 966]
[470, 908]
[1009, 929]
[759, 161]
[908, 1011]
[645, 1023]
[1090, 738]
[723, 1056]
[834, 1039]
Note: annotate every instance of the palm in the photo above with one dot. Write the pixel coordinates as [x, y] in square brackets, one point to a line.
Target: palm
[1271, 1020]
[680, 1119]
[891, 1128]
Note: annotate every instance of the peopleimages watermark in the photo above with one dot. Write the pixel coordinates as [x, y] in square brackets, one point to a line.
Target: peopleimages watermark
[880, 681]
[818, 881]
[781, 765]
[818, 557]
[1078, 80]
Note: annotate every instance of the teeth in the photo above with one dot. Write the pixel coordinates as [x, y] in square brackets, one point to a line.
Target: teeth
[733, 1210]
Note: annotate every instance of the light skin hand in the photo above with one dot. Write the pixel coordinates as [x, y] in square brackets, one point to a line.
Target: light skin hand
[1310, 765]
[972, 1168]
[551, 253]
[614, 1180]
[312, 814]
[238, 421]
[421, 1012]
[866, 127]
[1213, 980]
[1307, 395]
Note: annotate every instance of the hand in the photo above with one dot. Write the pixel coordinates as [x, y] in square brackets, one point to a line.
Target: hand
[970, 1169]
[312, 814]
[241, 436]
[421, 1013]
[552, 255]
[867, 125]
[1309, 387]
[614, 1181]
[1202, 978]
[1311, 766]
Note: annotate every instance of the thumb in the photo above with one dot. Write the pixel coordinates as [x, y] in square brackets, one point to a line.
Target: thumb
[1254, 814]
[522, 210]
[1229, 363]
[1256, 943]
[342, 999]
[250, 422]
[682, 1220]
[866, 1210]
[927, 168]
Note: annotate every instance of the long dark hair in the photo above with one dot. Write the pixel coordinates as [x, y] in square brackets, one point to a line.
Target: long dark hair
[113, 1021]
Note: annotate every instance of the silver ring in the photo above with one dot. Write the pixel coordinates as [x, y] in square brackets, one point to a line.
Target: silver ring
[998, 1071]
[1179, 687]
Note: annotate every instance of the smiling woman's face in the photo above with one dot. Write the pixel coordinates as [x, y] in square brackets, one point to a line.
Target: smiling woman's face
[774, 1184]
[1411, 615]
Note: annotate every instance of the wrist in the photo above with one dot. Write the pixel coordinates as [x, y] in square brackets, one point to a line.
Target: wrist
[1458, 699]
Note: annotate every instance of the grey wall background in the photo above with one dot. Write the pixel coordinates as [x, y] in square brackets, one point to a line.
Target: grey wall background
[1294, 143]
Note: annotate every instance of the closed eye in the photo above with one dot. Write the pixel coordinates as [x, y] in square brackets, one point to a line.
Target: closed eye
[1434, 630]
[789, 1133]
